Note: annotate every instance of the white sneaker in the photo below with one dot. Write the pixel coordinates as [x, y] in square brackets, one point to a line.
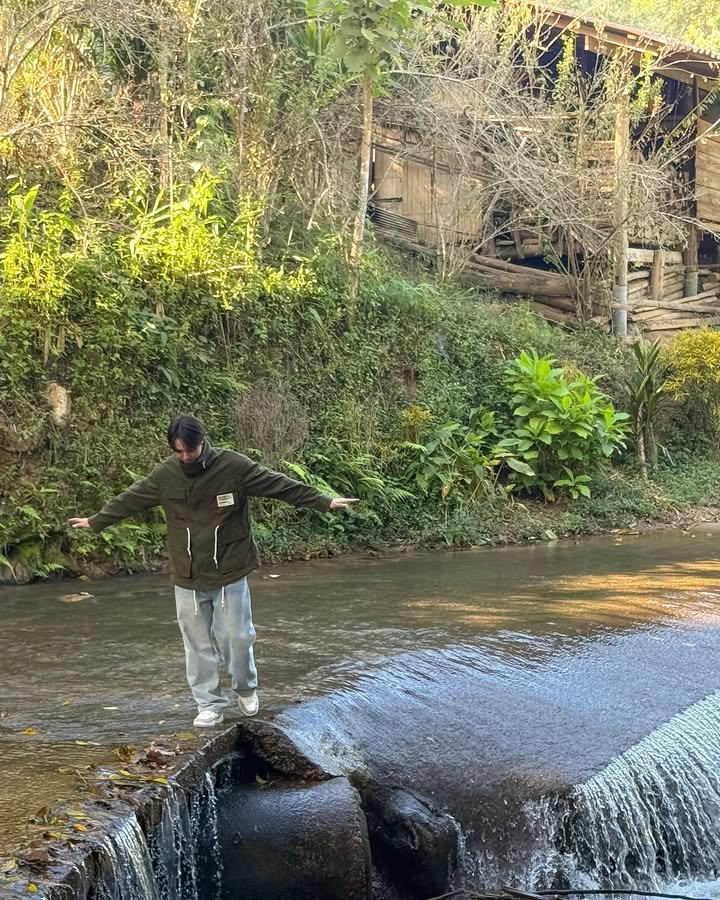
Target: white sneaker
[249, 704]
[207, 718]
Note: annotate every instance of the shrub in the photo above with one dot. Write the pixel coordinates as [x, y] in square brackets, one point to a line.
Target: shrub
[694, 360]
[458, 461]
[565, 427]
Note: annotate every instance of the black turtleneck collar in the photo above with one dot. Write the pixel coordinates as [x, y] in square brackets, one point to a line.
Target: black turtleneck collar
[204, 461]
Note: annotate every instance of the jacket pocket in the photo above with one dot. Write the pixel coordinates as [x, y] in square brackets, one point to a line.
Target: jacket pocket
[178, 551]
[232, 544]
[174, 502]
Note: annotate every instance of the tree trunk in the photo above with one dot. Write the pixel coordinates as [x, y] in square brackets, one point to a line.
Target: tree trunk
[164, 116]
[651, 446]
[358, 237]
[640, 440]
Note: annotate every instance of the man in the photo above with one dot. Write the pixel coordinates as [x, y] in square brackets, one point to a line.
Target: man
[204, 492]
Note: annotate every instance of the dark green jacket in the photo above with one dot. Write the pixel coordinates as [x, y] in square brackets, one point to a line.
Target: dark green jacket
[210, 542]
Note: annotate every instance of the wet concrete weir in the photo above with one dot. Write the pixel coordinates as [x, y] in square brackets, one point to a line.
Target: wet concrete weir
[251, 816]
[247, 816]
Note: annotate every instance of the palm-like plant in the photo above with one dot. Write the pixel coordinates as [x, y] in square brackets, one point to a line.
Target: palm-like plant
[646, 389]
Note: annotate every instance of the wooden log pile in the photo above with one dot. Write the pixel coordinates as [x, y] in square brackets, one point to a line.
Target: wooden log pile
[655, 295]
[656, 301]
[640, 287]
[549, 292]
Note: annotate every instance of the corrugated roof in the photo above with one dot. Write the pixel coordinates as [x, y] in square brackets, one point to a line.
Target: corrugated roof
[682, 55]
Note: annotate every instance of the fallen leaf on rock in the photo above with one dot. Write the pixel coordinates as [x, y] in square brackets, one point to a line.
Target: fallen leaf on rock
[66, 703]
[157, 757]
[8, 865]
[32, 887]
[29, 731]
[78, 826]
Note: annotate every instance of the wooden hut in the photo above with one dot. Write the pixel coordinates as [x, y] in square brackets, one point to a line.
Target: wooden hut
[660, 282]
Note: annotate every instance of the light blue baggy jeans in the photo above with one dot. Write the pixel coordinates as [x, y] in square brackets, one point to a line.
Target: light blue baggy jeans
[217, 625]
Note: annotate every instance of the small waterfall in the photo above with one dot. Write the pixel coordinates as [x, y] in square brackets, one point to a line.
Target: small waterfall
[129, 873]
[650, 819]
[179, 860]
[653, 815]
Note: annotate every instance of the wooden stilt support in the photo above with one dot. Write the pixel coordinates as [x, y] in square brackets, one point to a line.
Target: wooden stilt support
[620, 216]
[656, 276]
[690, 258]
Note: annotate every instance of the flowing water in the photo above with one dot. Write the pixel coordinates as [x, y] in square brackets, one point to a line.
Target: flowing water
[561, 703]
[179, 861]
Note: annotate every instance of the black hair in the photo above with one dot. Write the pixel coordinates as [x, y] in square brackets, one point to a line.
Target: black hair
[187, 429]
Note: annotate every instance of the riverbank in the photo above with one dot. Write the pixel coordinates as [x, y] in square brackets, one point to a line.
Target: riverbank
[684, 496]
[409, 409]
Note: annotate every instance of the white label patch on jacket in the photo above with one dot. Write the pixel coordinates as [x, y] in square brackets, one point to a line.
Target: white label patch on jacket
[225, 500]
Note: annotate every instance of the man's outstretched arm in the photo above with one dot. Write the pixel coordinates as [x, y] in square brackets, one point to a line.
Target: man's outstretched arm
[259, 481]
[137, 498]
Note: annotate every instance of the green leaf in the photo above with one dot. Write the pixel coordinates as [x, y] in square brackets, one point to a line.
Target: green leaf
[358, 60]
[519, 466]
[315, 314]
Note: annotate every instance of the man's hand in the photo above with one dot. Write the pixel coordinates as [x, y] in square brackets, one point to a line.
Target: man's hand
[79, 523]
[342, 502]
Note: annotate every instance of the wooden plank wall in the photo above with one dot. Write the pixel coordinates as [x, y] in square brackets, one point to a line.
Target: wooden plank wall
[707, 175]
[444, 204]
